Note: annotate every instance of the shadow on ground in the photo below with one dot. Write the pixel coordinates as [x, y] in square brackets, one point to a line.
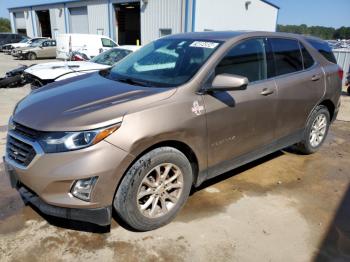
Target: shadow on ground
[336, 244]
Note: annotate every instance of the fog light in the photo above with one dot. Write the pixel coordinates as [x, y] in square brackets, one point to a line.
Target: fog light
[82, 188]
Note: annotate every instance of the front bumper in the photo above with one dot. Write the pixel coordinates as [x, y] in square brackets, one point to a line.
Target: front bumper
[99, 216]
[50, 177]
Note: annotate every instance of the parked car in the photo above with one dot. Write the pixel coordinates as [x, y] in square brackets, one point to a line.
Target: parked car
[45, 48]
[8, 38]
[347, 81]
[24, 43]
[182, 109]
[41, 74]
[88, 44]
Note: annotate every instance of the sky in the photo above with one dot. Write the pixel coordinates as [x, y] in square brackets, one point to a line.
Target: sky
[333, 13]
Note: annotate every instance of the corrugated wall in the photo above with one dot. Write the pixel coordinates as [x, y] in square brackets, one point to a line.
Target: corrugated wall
[57, 20]
[343, 59]
[98, 17]
[160, 14]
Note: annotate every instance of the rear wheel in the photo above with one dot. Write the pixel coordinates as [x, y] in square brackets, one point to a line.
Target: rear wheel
[348, 89]
[32, 56]
[154, 189]
[315, 131]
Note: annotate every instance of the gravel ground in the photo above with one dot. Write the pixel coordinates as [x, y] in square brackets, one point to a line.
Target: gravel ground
[284, 207]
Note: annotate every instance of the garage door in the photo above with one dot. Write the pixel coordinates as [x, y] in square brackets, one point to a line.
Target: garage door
[19, 20]
[78, 20]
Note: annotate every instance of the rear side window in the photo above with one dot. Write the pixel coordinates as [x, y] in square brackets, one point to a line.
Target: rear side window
[307, 58]
[324, 49]
[107, 42]
[287, 55]
[245, 59]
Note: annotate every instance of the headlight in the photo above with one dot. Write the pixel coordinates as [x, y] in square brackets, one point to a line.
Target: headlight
[67, 141]
[19, 51]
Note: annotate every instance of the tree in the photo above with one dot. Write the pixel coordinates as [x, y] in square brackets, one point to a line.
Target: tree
[319, 31]
[5, 25]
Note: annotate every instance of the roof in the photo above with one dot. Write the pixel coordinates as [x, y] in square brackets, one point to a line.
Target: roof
[208, 35]
[24, 3]
[269, 3]
[129, 47]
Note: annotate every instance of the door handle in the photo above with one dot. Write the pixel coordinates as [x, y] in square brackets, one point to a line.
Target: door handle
[315, 77]
[266, 92]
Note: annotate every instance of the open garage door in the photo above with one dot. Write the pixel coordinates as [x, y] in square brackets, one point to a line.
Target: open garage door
[78, 20]
[44, 23]
[128, 23]
[20, 23]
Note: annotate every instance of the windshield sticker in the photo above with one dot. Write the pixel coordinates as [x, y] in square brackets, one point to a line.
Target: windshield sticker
[196, 108]
[202, 44]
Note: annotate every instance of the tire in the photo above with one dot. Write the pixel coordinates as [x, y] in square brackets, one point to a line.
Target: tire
[32, 56]
[126, 202]
[348, 89]
[306, 146]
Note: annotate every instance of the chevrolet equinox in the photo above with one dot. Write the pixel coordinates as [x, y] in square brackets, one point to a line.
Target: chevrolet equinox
[185, 108]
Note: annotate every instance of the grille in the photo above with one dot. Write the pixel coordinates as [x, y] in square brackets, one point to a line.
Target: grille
[25, 131]
[20, 152]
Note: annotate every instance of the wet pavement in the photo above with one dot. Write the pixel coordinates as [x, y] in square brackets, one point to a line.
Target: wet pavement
[283, 207]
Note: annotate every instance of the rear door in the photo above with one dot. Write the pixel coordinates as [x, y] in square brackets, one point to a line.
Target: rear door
[300, 82]
[241, 121]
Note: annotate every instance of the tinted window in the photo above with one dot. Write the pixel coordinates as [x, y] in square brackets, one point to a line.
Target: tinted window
[307, 58]
[246, 59]
[287, 55]
[323, 48]
[107, 42]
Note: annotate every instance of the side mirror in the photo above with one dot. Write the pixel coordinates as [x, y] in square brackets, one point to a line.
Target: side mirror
[224, 82]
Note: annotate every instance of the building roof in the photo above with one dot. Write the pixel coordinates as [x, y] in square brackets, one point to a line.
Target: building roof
[25, 3]
[269, 3]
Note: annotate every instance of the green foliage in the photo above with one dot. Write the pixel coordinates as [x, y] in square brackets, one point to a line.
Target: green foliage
[5, 25]
[319, 31]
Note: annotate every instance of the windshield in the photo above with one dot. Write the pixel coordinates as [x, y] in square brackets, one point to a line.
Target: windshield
[25, 40]
[36, 43]
[111, 56]
[164, 62]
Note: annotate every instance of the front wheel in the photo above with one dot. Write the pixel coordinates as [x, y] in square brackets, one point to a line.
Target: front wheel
[154, 189]
[348, 89]
[316, 131]
[32, 56]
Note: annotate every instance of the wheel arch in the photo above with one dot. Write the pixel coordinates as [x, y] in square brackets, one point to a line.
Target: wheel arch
[330, 106]
[181, 146]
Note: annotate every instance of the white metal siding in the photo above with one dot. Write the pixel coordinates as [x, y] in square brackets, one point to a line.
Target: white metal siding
[343, 60]
[160, 14]
[20, 20]
[29, 26]
[98, 17]
[233, 15]
[57, 20]
[78, 20]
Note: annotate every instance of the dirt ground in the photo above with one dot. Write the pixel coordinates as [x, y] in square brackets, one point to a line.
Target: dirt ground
[284, 207]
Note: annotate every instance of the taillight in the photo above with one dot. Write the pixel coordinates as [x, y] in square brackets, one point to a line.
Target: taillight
[340, 73]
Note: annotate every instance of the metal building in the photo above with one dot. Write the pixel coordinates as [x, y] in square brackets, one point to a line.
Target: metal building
[129, 21]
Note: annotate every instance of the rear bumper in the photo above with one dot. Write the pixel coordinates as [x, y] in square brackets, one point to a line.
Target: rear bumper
[99, 216]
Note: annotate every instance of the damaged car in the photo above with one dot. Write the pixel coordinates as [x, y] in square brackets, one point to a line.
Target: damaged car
[42, 74]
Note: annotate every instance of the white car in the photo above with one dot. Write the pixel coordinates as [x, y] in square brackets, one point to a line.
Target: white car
[24, 43]
[42, 74]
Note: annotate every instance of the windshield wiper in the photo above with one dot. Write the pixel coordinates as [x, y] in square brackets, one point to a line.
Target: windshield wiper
[134, 82]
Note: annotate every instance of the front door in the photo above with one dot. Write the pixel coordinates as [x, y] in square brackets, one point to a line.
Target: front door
[240, 122]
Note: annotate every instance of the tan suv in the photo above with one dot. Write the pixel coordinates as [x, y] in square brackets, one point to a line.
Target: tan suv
[183, 109]
[45, 48]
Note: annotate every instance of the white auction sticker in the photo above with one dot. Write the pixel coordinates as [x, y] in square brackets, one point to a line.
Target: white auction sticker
[202, 44]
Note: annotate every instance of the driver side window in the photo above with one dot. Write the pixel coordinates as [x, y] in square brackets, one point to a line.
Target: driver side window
[245, 59]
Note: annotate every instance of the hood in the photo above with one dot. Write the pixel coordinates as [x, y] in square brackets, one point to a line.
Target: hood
[48, 71]
[85, 102]
[17, 45]
[26, 48]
